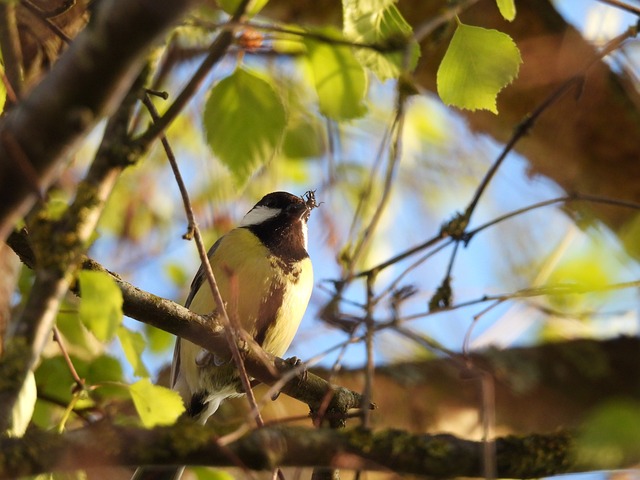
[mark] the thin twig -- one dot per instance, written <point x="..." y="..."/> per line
<point x="42" y="16"/>
<point x="22" y="162"/>
<point x="216" y="51"/>
<point x="72" y="369"/>
<point x="367" y="393"/>
<point x="308" y="34"/>
<point x="427" y="28"/>
<point x="194" y="231"/>
<point x="623" y="6"/>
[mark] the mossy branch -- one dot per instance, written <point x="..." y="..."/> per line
<point x="438" y="456"/>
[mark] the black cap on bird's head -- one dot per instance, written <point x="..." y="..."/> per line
<point x="279" y="220"/>
<point x="281" y="203"/>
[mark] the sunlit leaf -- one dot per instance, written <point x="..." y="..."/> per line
<point x="133" y="344"/>
<point x="303" y="139"/>
<point x="585" y="272"/>
<point x="101" y="304"/>
<point x="507" y="9"/>
<point x="176" y="273"/>
<point x="289" y="43"/>
<point x="339" y="80"/>
<point x="23" y="408"/>
<point x="158" y="340"/>
<point x="54" y="379"/>
<point x="3" y="92"/>
<point x="155" y="405"/>
<point x="244" y="120"/>
<point x="103" y="371"/>
<point x="380" y="23"/>
<point x="478" y="64"/>
<point x="204" y="473"/>
<point x="231" y="6"/>
<point x="74" y="332"/>
<point x="77" y="475"/>
<point x="610" y="435"/>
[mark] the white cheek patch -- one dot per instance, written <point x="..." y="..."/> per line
<point x="259" y="214"/>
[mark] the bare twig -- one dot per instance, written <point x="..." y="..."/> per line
<point x="622" y="6"/>
<point x="194" y="231"/>
<point x="46" y="20"/>
<point x="65" y="354"/>
<point x="216" y="51"/>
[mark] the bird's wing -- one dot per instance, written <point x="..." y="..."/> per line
<point x="200" y="276"/>
<point x="196" y="283"/>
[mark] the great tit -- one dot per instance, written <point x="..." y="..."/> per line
<point x="266" y="259"/>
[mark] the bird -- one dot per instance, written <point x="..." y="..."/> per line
<point x="265" y="264"/>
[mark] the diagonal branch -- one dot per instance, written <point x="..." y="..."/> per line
<point x="88" y="80"/>
<point x="178" y="320"/>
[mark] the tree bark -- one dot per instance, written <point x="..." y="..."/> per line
<point x="537" y="389"/>
<point x="86" y="83"/>
<point x="438" y="456"/>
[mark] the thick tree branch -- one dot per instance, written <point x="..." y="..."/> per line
<point x="180" y="321"/>
<point x="85" y="84"/>
<point x="439" y="456"/>
<point x="58" y="248"/>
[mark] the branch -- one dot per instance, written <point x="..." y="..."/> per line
<point x="439" y="456"/>
<point x="58" y="247"/>
<point x="178" y="320"/>
<point x="84" y="85"/>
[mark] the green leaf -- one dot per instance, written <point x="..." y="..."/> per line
<point x="303" y="138"/>
<point x="3" y="92"/>
<point x="133" y="344"/>
<point x="24" y="406"/>
<point x="231" y="6"/>
<point x="54" y="379"/>
<point x="339" y="80"/>
<point x="244" y="120"/>
<point x="105" y="368"/>
<point x="100" y="305"/>
<point x="478" y="64"/>
<point x="158" y="340"/>
<point x="206" y="473"/>
<point x="507" y="9"/>
<point x="155" y="405"/>
<point x="176" y="273"/>
<point x="74" y="332"/>
<point x="381" y="23"/>
<point x="104" y="371"/>
<point x="587" y="271"/>
<point x="610" y="435"/>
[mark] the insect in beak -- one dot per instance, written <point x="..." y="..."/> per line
<point x="310" y="200"/>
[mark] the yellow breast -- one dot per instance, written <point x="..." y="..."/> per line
<point x="266" y="300"/>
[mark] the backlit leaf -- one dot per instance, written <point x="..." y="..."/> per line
<point x="381" y="23"/>
<point x="23" y="408"/>
<point x="133" y="344"/>
<point x="231" y="6"/>
<point x="478" y="64"/>
<point x="158" y="340"/>
<point x="244" y="120"/>
<point x="101" y="304"/>
<point x="156" y="405"/>
<point x="507" y="9"/>
<point x="339" y="80"/>
<point x="610" y="435"/>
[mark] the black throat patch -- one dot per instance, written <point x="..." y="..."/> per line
<point x="284" y="239"/>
